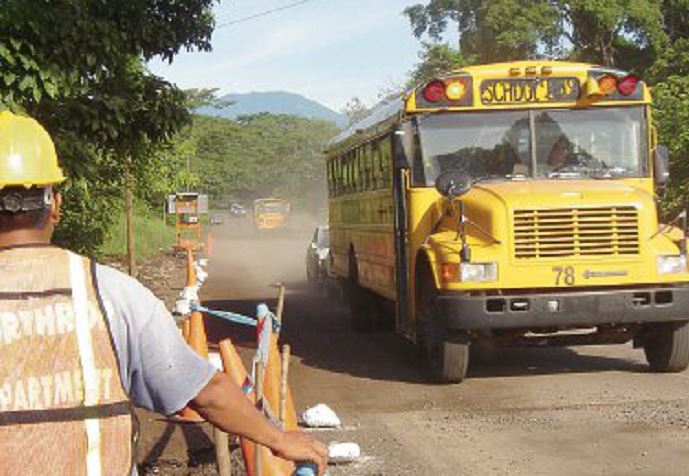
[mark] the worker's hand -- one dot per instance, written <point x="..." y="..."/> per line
<point x="298" y="446"/>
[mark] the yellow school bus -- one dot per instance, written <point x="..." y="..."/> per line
<point x="271" y="213"/>
<point x="511" y="204"/>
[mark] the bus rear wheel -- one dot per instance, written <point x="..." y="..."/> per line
<point x="666" y="346"/>
<point x="362" y="304"/>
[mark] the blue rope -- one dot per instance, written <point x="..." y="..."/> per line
<point x="229" y="316"/>
<point x="236" y="318"/>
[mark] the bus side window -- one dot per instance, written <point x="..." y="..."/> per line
<point x="347" y="173"/>
<point x="366" y="151"/>
<point x="329" y="176"/>
<point x="372" y="155"/>
<point x="376" y="174"/>
<point x="360" y="170"/>
<point x="386" y="161"/>
<point x="351" y="163"/>
<point x="355" y="170"/>
<point x="338" y="175"/>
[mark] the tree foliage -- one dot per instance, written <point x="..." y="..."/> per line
<point x="355" y="110"/>
<point x="601" y="31"/>
<point x="78" y="67"/>
<point x="434" y="60"/>
<point x="260" y="155"/>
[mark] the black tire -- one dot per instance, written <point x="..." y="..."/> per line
<point x="444" y="354"/>
<point x="666" y="346"/>
<point x="362" y="308"/>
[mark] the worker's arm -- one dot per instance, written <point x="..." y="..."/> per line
<point x="223" y="404"/>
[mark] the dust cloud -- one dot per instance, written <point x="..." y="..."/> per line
<point x="245" y="263"/>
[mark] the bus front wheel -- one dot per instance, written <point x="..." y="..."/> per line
<point x="445" y="353"/>
<point x="666" y="346"/>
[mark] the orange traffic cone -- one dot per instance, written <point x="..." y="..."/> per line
<point x="271" y="385"/>
<point x="209" y="244"/>
<point x="194" y="332"/>
<point x="186" y="326"/>
<point x="271" y="465"/>
<point x="191" y="270"/>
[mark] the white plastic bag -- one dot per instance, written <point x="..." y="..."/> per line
<point x="182" y="307"/>
<point x="320" y="416"/>
<point x="339" y="453"/>
<point x="190" y="293"/>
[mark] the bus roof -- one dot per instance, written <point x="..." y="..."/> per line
<point x="383" y="116"/>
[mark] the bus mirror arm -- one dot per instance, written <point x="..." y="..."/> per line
<point x="681" y="217"/>
<point x="465" y="251"/>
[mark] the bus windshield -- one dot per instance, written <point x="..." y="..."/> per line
<point x="588" y="143"/>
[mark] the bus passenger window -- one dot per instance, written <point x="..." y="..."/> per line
<point x="368" y="182"/>
<point x="377" y="170"/>
<point x="386" y="161"/>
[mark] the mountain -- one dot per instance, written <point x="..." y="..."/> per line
<point x="277" y="102"/>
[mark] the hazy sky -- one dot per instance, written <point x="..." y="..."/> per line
<point x="327" y="50"/>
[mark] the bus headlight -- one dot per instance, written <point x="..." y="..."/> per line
<point x="672" y="264"/>
<point x="478" y="272"/>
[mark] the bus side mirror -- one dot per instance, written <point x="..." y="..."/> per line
<point x="453" y="184"/>
<point x="400" y="158"/>
<point x="661" y="165"/>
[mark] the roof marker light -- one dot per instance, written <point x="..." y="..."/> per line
<point x="607" y="84"/>
<point x="628" y="84"/>
<point x="456" y="89"/>
<point x="434" y="91"/>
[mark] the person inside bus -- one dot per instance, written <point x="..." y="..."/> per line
<point x="561" y="149"/>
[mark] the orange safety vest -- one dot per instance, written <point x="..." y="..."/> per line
<point x="62" y="406"/>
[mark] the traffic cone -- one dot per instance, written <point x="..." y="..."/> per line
<point x="271" y="465"/>
<point x="209" y="244"/>
<point x="197" y="334"/>
<point x="185" y="330"/>
<point x="194" y="331"/>
<point x="191" y="270"/>
<point x="271" y="385"/>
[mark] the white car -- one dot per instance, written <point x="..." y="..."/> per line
<point x="318" y="255"/>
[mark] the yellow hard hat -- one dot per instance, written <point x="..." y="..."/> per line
<point x="27" y="153"/>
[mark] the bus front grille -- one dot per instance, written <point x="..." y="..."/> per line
<point x="572" y="232"/>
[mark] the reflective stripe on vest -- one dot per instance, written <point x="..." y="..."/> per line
<point x="62" y="406"/>
<point x="88" y="365"/>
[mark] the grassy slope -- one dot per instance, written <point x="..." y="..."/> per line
<point x="151" y="236"/>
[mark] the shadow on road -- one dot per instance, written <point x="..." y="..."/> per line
<point x="521" y="361"/>
<point x="318" y="330"/>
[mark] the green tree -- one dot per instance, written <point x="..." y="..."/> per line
<point x="611" y="32"/>
<point x="261" y="155"/>
<point x="436" y="59"/>
<point x="77" y="66"/>
<point x="355" y="110"/>
<point x="495" y="30"/>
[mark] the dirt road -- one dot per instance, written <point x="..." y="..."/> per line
<point x="579" y="411"/>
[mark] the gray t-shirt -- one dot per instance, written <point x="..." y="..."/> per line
<point x="159" y="370"/>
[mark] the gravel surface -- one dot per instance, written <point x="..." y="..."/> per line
<point x="567" y="411"/>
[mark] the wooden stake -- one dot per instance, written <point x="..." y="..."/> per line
<point x="129" y="206"/>
<point x="222" y="452"/>
<point x="284" y="375"/>
<point x="260" y="371"/>
<point x="281" y="302"/>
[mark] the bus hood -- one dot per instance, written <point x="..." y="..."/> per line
<point x="491" y="205"/>
<point x="559" y="193"/>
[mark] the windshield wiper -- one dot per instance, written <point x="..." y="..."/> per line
<point x="488" y="178"/>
